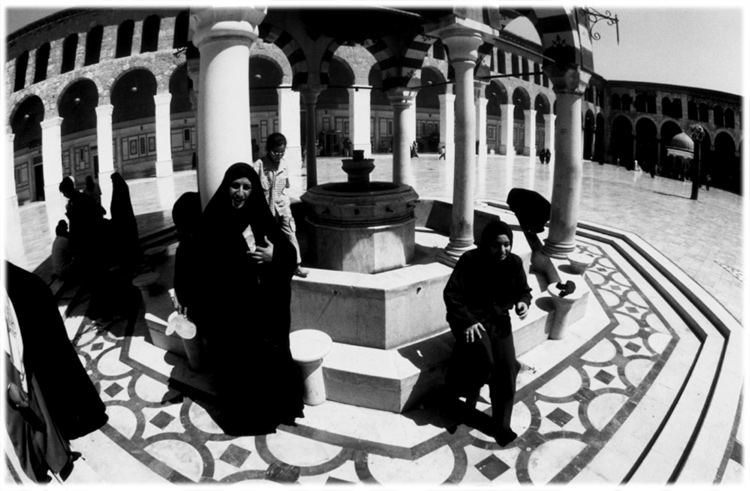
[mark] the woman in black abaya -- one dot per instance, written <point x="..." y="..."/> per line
<point x="242" y="308"/>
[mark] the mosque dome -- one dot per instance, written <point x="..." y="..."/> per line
<point x="681" y="145"/>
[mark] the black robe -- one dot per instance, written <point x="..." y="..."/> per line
<point x="72" y="399"/>
<point x="242" y="311"/>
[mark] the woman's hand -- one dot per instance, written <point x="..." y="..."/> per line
<point x="263" y="254"/>
<point x="474" y="332"/>
<point x="522" y="309"/>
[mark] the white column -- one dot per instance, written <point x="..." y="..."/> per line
<point x="52" y="168"/>
<point x="163" y="135"/>
<point x="359" y="119"/>
<point x="549" y="135"/>
<point x="566" y="191"/>
<point x="481" y="110"/>
<point x="14" y="250"/>
<point x="104" y="145"/>
<point x="310" y="95"/>
<point x="223" y="37"/>
<point x="411" y="123"/>
<point x="529" y="124"/>
<point x="462" y="45"/>
<point x="402" y="99"/>
<point x="289" y="126"/>
<point x="447" y="123"/>
<point x="506" y="133"/>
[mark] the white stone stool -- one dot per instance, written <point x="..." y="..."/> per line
<point x="309" y="347"/>
<point x="579" y="262"/>
<point x="562" y="309"/>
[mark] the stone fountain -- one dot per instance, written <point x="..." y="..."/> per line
<point x="358" y="225"/>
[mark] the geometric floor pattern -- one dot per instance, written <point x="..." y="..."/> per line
<point x="564" y="416"/>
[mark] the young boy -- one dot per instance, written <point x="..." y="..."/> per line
<point x="274" y="177"/>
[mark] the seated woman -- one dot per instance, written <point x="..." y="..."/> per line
<point x="242" y="307"/>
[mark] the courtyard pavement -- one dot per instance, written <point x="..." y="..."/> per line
<point x="622" y="400"/>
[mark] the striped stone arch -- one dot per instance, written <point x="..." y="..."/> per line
<point x="399" y="69"/>
<point x="565" y="36"/>
<point x="291" y="49"/>
<point x="325" y="62"/>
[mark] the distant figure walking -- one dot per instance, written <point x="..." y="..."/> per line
<point x="414" y="153"/>
<point x="441" y="154"/>
<point x="547" y="156"/>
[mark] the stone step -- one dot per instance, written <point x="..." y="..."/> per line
<point x="396" y="379"/>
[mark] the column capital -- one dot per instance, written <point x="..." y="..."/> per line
<point x="162" y="98"/>
<point x="401" y="96"/>
<point x="210" y="24"/>
<point x="571" y="80"/>
<point x="463" y="44"/>
<point x="103" y="110"/>
<point x="51" y="122"/>
<point x="446" y="97"/>
<point x="479" y="86"/>
<point x="310" y="92"/>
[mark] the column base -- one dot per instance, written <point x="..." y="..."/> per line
<point x="164" y="168"/>
<point x="450" y="255"/>
<point x="558" y="251"/>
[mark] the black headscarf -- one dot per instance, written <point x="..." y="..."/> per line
<point x="220" y="212"/>
<point x="492" y="231"/>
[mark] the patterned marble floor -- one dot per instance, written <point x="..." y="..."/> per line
<point x="588" y="407"/>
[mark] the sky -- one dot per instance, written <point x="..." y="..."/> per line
<point x="680" y="43"/>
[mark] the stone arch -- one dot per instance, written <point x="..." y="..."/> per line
<point x="274" y="54"/>
<point x="621" y="140"/>
<point x="718" y="118"/>
<point x="599" y="146"/>
<point x="521" y="103"/>
<point x="179" y="87"/>
<point x="41" y="62"/>
<point x="615" y="102"/>
<point x="22" y="63"/>
<point x="25" y="122"/>
<point x="358" y="59"/>
<point x="70" y="44"/>
<point x="93" y="45"/>
<point x="150" y="36"/>
<point x="77" y="106"/>
<point x="646" y="143"/>
<point x="124" y="41"/>
<point x="181" y="28"/>
<point x="291" y="48"/>
<point x="265" y="77"/>
<point x="63" y="89"/>
<point x="132" y="95"/>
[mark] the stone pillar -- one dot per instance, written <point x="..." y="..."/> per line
<point x="481" y="110"/>
<point x="223" y="37"/>
<point x="52" y="168"/>
<point x="463" y="45"/>
<point x="289" y="126"/>
<point x="566" y="191"/>
<point x="411" y="122"/>
<point x="193" y="70"/>
<point x="549" y="135"/>
<point x="30" y="69"/>
<point x="14" y="250"/>
<point x="529" y="124"/>
<point x="163" y="134"/>
<point x="402" y="99"/>
<point x="104" y="145"/>
<point x="447" y="123"/>
<point x="310" y="95"/>
<point x="506" y="134"/>
<point x="359" y="119"/>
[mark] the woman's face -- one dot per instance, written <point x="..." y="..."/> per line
<point x="239" y="191"/>
<point x="500" y="247"/>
